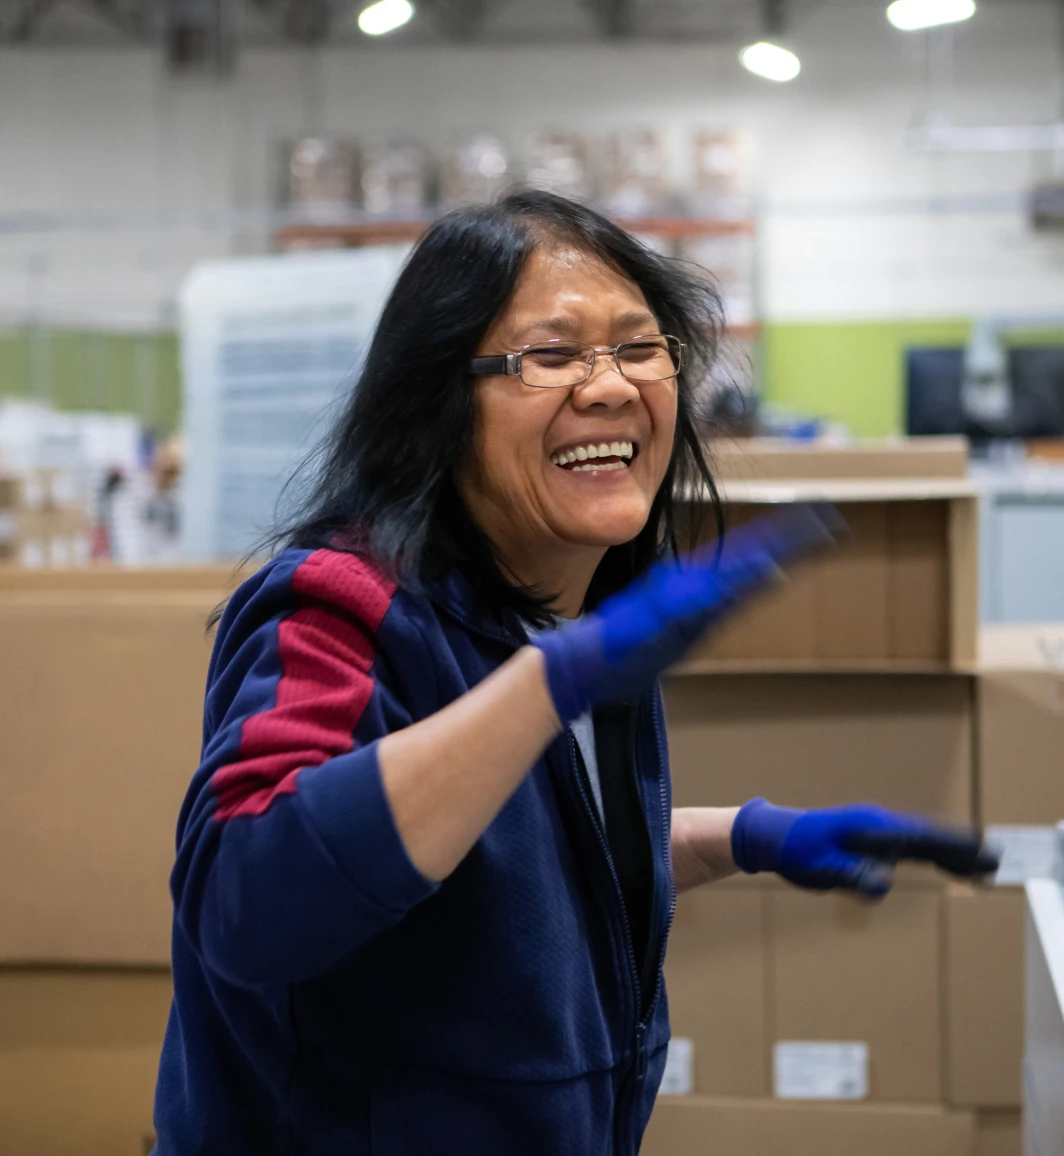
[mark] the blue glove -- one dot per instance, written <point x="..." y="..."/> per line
<point x="854" y="847"/>
<point x="619" y="650"/>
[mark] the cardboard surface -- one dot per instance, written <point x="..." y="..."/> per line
<point x="79" y="1054"/>
<point x="984" y="996"/>
<point x="716" y="972"/>
<point x="105" y="576"/>
<point x="847" y="971"/>
<point x="1021" y="725"/>
<point x="761" y="458"/>
<point x="998" y="1134"/>
<point x="899" y="593"/>
<point x="818" y="741"/>
<point x="101" y="702"/>
<point x="703" y="1126"/>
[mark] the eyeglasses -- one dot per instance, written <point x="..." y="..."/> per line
<point x="560" y="364"/>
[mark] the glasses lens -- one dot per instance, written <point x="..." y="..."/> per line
<point x="559" y="364"/>
<point x="649" y="358"/>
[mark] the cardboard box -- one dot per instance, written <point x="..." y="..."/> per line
<point x="904" y="742"/>
<point x="1021" y="725"/>
<point x="998" y="1134"/>
<point x="79" y="1056"/>
<point x="843" y="970"/>
<point x="899" y="593"/>
<point x="217" y="581"/>
<point x="704" y="1126"/>
<point x="763" y="459"/>
<point x="101" y="700"/>
<point x="716" y="972"/>
<point x="984" y="996"/>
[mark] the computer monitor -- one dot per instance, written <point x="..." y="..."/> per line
<point x="934" y="398"/>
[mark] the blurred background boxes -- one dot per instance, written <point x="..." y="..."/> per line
<point x="1021" y="724"/>
<point x="707" y="1126"/>
<point x="474" y="169"/>
<point x="560" y="162"/>
<point x="101" y="697"/>
<point x="717" y="973"/>
<point x="396" y="178"/>
<point x="998" y="1133"/>
<point x="900" y="593"/>
<point x="984" y="996"/>
<point x="760" y="967"/>
<point x="79" y="1053"/>
<point x="634" y="174"/>
<point x="902" y="741"/>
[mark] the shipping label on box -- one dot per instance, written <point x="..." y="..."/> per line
<point x="1027" y="852"/>
<point x="679" y="1076"/>
<point x="804" y="1070"/>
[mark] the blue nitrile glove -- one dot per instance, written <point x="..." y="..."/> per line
<point x="618" y="650"/>
<point x="853" y="847"/>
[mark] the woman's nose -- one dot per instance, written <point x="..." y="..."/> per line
<point x="606" y="386"/>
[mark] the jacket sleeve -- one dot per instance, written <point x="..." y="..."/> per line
<point x="288" y="858"/>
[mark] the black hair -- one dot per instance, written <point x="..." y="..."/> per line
<point x="382" y="482"/>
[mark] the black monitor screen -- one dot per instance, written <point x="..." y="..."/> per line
<point x="934" y="399"/>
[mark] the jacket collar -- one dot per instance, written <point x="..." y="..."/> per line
<point x="453" y="594"/>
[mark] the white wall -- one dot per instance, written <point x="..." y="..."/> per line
<point x="91" y="131"/>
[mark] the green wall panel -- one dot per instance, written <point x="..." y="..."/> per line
<point x="849" y="372"/>
<point x="128" y="372"/>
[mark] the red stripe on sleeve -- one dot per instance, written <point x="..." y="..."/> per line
<point x="324" y="687"/>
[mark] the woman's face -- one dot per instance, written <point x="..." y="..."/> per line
<point x="514" y="485"/>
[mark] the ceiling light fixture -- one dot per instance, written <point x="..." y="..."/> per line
<point x="385" y="16"/>
<point x="768" y="58"/>
<point x="912" y="15"/>
<point x="770" y="61"/>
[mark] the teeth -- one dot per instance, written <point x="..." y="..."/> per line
<point x="592" y="451"/>
<point x="598" y="469"/>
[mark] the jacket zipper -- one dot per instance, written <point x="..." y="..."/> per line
<point x="644" y="1002"/>
<point x="666" y="829"/>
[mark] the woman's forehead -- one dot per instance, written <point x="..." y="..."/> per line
<point x="563" y="285"/>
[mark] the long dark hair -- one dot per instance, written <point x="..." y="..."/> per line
<point x="382" y="482"/>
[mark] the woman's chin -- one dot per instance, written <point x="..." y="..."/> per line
<point x="606" y="528"/>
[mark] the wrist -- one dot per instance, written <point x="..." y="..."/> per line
<point x="758" y="834"/>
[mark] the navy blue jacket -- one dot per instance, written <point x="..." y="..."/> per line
<point x="328" y="999"/>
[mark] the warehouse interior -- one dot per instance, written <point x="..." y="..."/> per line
<point x="203" y="206"/>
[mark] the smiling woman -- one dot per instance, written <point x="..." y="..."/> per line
<point x="427" y="866"/>
<point x="439" y="461"/>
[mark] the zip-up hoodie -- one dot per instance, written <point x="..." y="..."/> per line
<point x="328" y="999"/>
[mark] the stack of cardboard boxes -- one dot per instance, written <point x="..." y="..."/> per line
<point x="101" y="692"/>
<point x="854" y="680"/>
<point x="41" y="523"/>
<point x="821" y="1024"/>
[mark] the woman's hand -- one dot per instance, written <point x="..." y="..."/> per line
<point x="617" y="651"/>
<point x="854" y="848"/>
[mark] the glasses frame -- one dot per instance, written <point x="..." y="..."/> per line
<point x="509" y="364"/>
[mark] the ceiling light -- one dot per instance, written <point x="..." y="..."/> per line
<point x="910" y="15"/>
<point x="385" y="16"/>
<point x="770" y="61"/>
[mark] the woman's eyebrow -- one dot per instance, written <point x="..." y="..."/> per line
<point x="570" y="327"/>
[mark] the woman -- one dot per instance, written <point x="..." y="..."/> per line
<point x="426" y="870"/>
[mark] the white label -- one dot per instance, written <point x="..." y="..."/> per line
<point x="1026" y="853"/>
<point x="820" y="1071"/>
<point x="679" y="1077"/>
<point x="32" y="555"/>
